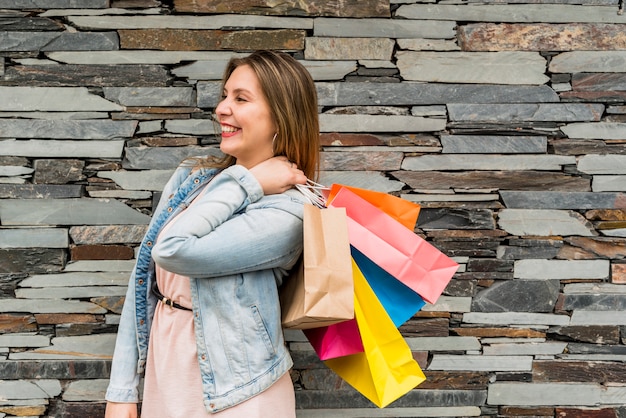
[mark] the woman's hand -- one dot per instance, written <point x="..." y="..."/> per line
<point x="121" y="410"/>
<point x="277" y="175"/>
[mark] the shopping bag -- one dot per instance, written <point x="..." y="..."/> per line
<point x="394" y="248"/>
<point x="401" y="210"/>
<point x="385" y="370"/>
<point x="336" y="340"/>
<point x="399" y="300"/>
<point x="320" y="291"/>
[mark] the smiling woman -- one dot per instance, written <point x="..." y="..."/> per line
<point x="220" y="242"/>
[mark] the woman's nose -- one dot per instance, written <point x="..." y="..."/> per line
<point x="222" y="108"/>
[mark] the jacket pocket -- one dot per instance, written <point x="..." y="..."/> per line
<point x="262" y="329"/>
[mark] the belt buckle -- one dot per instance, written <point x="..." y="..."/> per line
<point x="168" y="302"/>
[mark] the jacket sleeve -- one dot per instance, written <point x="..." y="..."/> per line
<point x="229" y="230"/>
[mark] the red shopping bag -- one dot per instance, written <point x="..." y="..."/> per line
<point x="395" y="248"/>
<point x="336" y="340"/>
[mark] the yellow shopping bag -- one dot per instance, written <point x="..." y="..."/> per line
<point x="385" y="370"/>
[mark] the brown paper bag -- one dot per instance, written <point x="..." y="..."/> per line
<point x="319" y="291"/>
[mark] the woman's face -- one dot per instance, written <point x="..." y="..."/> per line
<point x="245" y="118"/>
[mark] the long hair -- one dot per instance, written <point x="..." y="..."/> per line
<point x="292" y="98"/>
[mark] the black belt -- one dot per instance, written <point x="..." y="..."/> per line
<point x="168" y="302"/>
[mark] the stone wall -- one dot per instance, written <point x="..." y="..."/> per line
<point x="506" y="121"/>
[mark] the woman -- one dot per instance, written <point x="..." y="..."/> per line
<point x="224" y="234"/>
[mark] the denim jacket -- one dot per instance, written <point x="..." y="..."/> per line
<point x="235" y="244"/>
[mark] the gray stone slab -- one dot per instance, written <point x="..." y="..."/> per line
<point x="328" y="48"/>
<point x="100" y="265"/>
<point x="443" y="343"/>
<point x="57" y="99"/>
<point x="411" y="93"/>
<point x="49" y="306"/>
<point x="593" y="289"/>
<point x="152" y="180"/>
<point x="107" y="234"/>
<point x="9" y="171"/>
<point x="492" y="144"/>
<point x="602" y="164"/>
<point x="486" y="162"/>
<point x="58" y="41"/>
<point x="329" y="70"/>
<point x="600" y="130"/>
<point x="20" y="389"/>
<point x="506" y="67"/>
<point x="589" y="318"/>
<point x="528" y="349"/>
<point x="614" y="395"/>
<point x="201" y="70"/>
<point x="450" y="303"/>
<point x="481" y="363"/>
<point x="542" y="112"/>
<point x="82" y="279"/>
<point x="518" y="296"/>
<point x="549" y="13"/>
<point x="561" y="200"/>
<point x="621" y="232"/>
<point x="151" y="96"/>
<point x="75" y="292"/>
<point x="84" y="41"/>
<point x="589" y="62"/>
<point x="594" y="302"/>
<point x="34" y="238"/>
<point x="515" y="318"/>
<point x="379" y="123"/>
<point x="135" y="56"/>
<point x="562" y="269"/>
<point x="55" y="115"/>
<point x="191" y="22"/>
<point x="24" y="340"/>
<point x="84" y="211"/>
<point x="67" y="129"/>
<point x="99" y="346"/>
<point x="192" y="127"/>
<point x="163" y="158"/>
<point x="428" y="44"/>
<point x="120" y="194"/>
<point x="86" y="390"/>
<point x="609" y="184"/>
<point x="544" y="222"/>
<point x="63" y="148"/>
<point x="53" y="370"/>
<point x="539" y="394"/>
<point x="383" y="28"/>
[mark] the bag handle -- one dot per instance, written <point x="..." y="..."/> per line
<point x="313" y="191"/>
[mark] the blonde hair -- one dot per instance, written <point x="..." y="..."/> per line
<point x="292" y="98"/>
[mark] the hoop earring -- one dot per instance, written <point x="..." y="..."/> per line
<point x="274" y="138"/>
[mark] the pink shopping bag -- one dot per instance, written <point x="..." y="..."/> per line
<point x="395" y="248"/>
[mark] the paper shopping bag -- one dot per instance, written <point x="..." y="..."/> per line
<point x="319" y="291"/>
<point x="401" y="210"/>
<point x="386" y="369"/>
<point x="336" y="340"/>
<point x="399" y="300"/>
<point x="394" y="248"/>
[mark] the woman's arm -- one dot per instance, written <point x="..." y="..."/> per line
<point x="221" y="234"/>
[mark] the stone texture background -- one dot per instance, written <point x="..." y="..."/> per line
<point x="506" y="121"/>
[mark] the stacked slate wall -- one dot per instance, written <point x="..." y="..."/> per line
<point x="505" y="121"/>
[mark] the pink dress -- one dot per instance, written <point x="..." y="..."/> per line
<point x="172" y="384"/>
